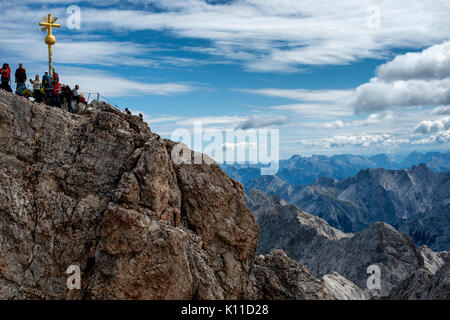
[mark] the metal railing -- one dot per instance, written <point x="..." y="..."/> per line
<point x="90" y="95"/>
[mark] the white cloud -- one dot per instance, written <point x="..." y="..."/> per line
<point x="364" y="140"/>
<point x="163" y="119"/>
<point x="319" y="111"/>
<point x="241" y="144"/>
<point x="426" y="127"/>
<point x="441" y="111"/>
<point x="413" y="79"/>
<point x="269" y="35"/>
<point x="431" y="63"/>
<point x="211" y="120"/>
<point x="323" y="104"/>
<point x="255" y="122"/>
<point x="441" y="137"/>
<point x="274" y="35"/>
<point x="332" y="125"/>
<point x="374" y="118"/>
<point x="329" y="96"/>
<point x="379" y="95"/>
<point x="111" y="85"/>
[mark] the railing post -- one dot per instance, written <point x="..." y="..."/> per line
<point x="98" y="96"/>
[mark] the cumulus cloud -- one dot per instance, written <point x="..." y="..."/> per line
<point x="378" y="95"/>
<point x="256" y="122"/>
<point x="413" y="79"/>
<point x="426" y="127"/>
<point x="440" y="137"/>
<point x="431" y="63"/>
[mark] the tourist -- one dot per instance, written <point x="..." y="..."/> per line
<point x="56" y="94"/>
<point x="55" y="76"/>
<point x="67" y="96"/>
<point x="5" y="72"/>
<point x="24" y="92"/>
<point x="21" y="76"/>
<point x="75" y="94"/>
<point x="46" y="83"/>
<point x="37" y="84"/>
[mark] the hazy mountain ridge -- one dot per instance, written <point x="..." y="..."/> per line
<point x="415" y="201"/>
<point x="305" y="170"/>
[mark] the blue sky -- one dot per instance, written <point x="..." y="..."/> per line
<point x="354" y="77"/>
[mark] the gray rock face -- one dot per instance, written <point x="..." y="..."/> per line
<point x="99" y="190"/>
<point x="325" y="250"/>
<point x="424" y="285"/>
<point x="343" y="289"/>
<point x="277" y="277"/>
<point x="414" y="201"/>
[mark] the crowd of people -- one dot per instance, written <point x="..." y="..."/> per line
<point x="49" y="91"/>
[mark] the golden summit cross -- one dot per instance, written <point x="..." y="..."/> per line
<point x="50" y="40"/>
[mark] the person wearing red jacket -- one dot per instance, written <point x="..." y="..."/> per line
<point x="5" y="73"/>
<point x="57" y="94"/>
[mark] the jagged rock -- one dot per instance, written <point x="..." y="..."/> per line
<point x="343" y="289"/>
<point x="424" y="285"/>
<point x="277" y="277"/>
<point x="99" y="190"/>
<point x="325" y="250"/>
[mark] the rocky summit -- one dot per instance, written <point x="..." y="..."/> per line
<point x="98" y="192"/>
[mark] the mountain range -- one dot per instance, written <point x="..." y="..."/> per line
<point x="300" y="170"/>
<point x="415" y="201"/>
<point x="325" y="250"/>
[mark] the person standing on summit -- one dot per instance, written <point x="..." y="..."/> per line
<point x="48" y="90"/>
<point x="5" y="72"/>
<point x="21" y="76"/>
<point x="37" y="84"/>
<point x="57" y="94"/>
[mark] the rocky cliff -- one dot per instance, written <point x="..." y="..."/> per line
<point x="100" y="191"/>
<point x="425" y="285"/>
<point x="325" y="250"/>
